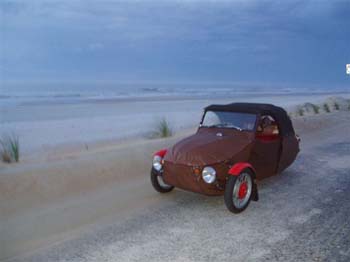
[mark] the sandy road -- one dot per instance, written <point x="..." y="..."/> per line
<point x="302" y="215"/>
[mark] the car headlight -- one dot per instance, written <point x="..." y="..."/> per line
<point x="157" y="163"/>
<point x="209" y="174"/>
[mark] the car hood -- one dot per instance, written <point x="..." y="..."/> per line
<point x="209" y="146"/>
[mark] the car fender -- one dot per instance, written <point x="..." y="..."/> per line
<point x="160" y="153"/>
<point x="237" y="168"/>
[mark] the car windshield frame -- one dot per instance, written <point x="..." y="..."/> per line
<point x="230" y="127"/>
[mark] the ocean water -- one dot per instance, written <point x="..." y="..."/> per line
<point x="14" y="94"/>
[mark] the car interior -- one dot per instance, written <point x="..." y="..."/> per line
<point x="267" y="129"/>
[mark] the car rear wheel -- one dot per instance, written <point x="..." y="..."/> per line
<point x="159" y="184"/>
<point x="239" y="191"/>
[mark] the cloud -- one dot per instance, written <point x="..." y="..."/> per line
<point x="174" y="38"/>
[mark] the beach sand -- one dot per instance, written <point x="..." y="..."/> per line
<point x="76" y="179"/>
<point x="47" y="127"/>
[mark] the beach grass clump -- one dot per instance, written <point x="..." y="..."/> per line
<point x="316" y="108"/>
<point x="9" y="150"/>
<point x="163" y="129"/>
<point x="326" y="108"/>
<point x="336" y="106"/>
<point x="300" y="111"/>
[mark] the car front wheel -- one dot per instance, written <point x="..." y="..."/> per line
<point x="238" y="191"/>
<point x="158" y="183"/>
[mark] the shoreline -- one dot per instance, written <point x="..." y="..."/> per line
<point x="177" y="97"/>
<point x="77" y="99"/>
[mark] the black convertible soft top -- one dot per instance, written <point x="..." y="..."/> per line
<point x="278" y="113"/>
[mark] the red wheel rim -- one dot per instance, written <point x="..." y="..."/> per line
<point x="242" y="191"/>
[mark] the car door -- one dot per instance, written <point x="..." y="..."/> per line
<point x="265" y="153"/>
<point x="289" y="151"/>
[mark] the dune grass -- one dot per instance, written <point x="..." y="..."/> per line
<point x="162" y="129"/>
<point x="9" y="150"/>
<point x="300" y="111"/>
<point x="336" y="106"/>
<point x="316" y="108"/>
<point x="326" y="108"/>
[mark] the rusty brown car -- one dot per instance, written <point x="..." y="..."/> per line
<point x="234" y="146"/>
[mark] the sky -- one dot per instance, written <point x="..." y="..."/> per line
<point x="241" y="41"/>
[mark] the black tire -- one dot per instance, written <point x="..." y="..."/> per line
<point x="229" y="192"/>
<point x="157" y="186"/>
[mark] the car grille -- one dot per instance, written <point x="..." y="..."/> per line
<point x="182" y="176"/>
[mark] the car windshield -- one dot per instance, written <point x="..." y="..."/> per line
<point x="240" y="121"/>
